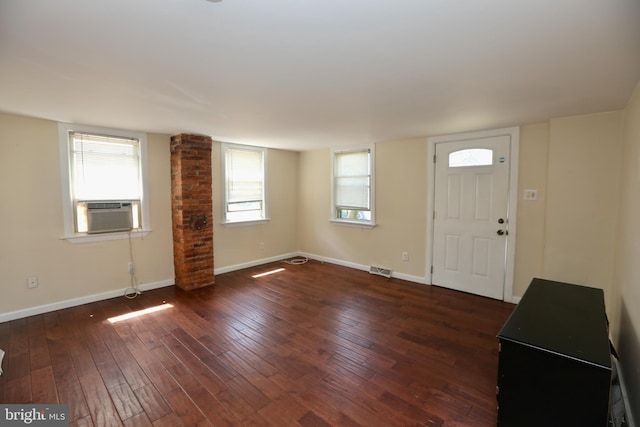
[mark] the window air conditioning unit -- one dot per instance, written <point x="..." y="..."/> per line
<point x="105" y="217"/>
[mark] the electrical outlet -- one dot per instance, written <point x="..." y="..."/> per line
<point x="32" y="282"/>
<point x="262" y="246"/>
<point x="131" y="268"/>
<point x="405" y="256"/>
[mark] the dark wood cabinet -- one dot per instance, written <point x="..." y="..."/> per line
<point x="555" y="360"/>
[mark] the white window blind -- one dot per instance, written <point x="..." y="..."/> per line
<point x="352" y="179"/>
<point x="244" y="184"/>
<point x="105" y="167"/>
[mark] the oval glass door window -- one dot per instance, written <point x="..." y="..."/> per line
<point x="471" y="157"/>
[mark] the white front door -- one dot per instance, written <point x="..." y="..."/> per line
<point x="471" y="207"/>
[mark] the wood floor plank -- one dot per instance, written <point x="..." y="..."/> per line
<point x="139" y="420"/>
<point x="38" y="351"/>
<point x="310" y="419"/>
<point x="43" y="386"/>
<point x="258" y="379"/>
<point x="160" y="378"/>
<point x="129" y="367"/>
<point x="111" y="375"/>
<point x="155" y="407"/>
<point x="206" y="402"/>
<point x="198" y="368"/>
<point x="278" y="415"/>
<point x="192" y="344"/>
<point x="312" y="345"/>
<point x="184" y="408"/>
<point x="61" y="362"/>
<point x="125" y="401"/>
<point x="169" y="420"/>
<point x="101" y="408"/>
<point x="254" y="397"/>
<point x="81" y="357"/>
<point x="17" y="353"/>
<point x="70" y="392"/>
<point x="18" y="390"/>
<point x="85" y="421"/>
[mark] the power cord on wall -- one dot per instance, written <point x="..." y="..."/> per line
<point x="132" y="291"/>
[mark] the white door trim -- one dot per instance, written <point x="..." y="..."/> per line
<point x="514" y="134"/>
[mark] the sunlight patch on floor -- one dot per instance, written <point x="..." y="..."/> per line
<point x="277" y="270"/>
<point x="139" y="313"/>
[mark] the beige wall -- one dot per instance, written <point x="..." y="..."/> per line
<point x="31" y="218"/>
<point x="31" y="214"/>
<point x="532" y="175"/>
<point x="585" y="158"/>
<point x="567" y="234"/>
<point x="236" y="246"/>
<point x="625" y="301"/>
<point x="401" y="189"/>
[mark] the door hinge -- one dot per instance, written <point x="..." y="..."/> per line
<point x="434" y="158"/>
<point x="432" y="269"/>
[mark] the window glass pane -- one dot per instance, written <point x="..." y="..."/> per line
<point x="354" y="214"/>
<point x="245" y="206"/>
<point x="244" y="216"/>
<point x="471" y="157"/>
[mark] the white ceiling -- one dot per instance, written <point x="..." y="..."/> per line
<point x="304" y="74"/>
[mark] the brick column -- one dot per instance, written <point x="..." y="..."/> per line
<point x="192" y="210"/>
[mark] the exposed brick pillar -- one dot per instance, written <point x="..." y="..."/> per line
<point x="192" y="210"/>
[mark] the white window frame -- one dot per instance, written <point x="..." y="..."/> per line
<point x="64" y="130"/>
<point x="265" y="206"/>
<point x="372" y="192"/>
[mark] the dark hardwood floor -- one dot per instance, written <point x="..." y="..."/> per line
<point x="312" y="345"/>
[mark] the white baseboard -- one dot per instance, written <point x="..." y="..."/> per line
<point x="402" y="276"/>
<point x="254" y="263"/>
<point x="32" y="311"/>
<point x="19" y="314"/>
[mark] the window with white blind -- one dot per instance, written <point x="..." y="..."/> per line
<point x="353" y="185"/>
<point x="103" y="181"/>
<point x="244" y="183"/>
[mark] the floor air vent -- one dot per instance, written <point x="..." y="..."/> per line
<point x="380" y="271"/>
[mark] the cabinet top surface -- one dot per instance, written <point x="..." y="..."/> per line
<point x="566" y="319"/>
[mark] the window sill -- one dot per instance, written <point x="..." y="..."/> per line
<point x="103" y="237"/>
<point x="357" y="224"/>
<point x="245" y="223"/>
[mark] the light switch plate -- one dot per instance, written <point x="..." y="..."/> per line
<point x="530" y="195"/>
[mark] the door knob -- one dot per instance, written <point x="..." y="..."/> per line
<point x="501" y="221"/>
<point x="500" y="232"/>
